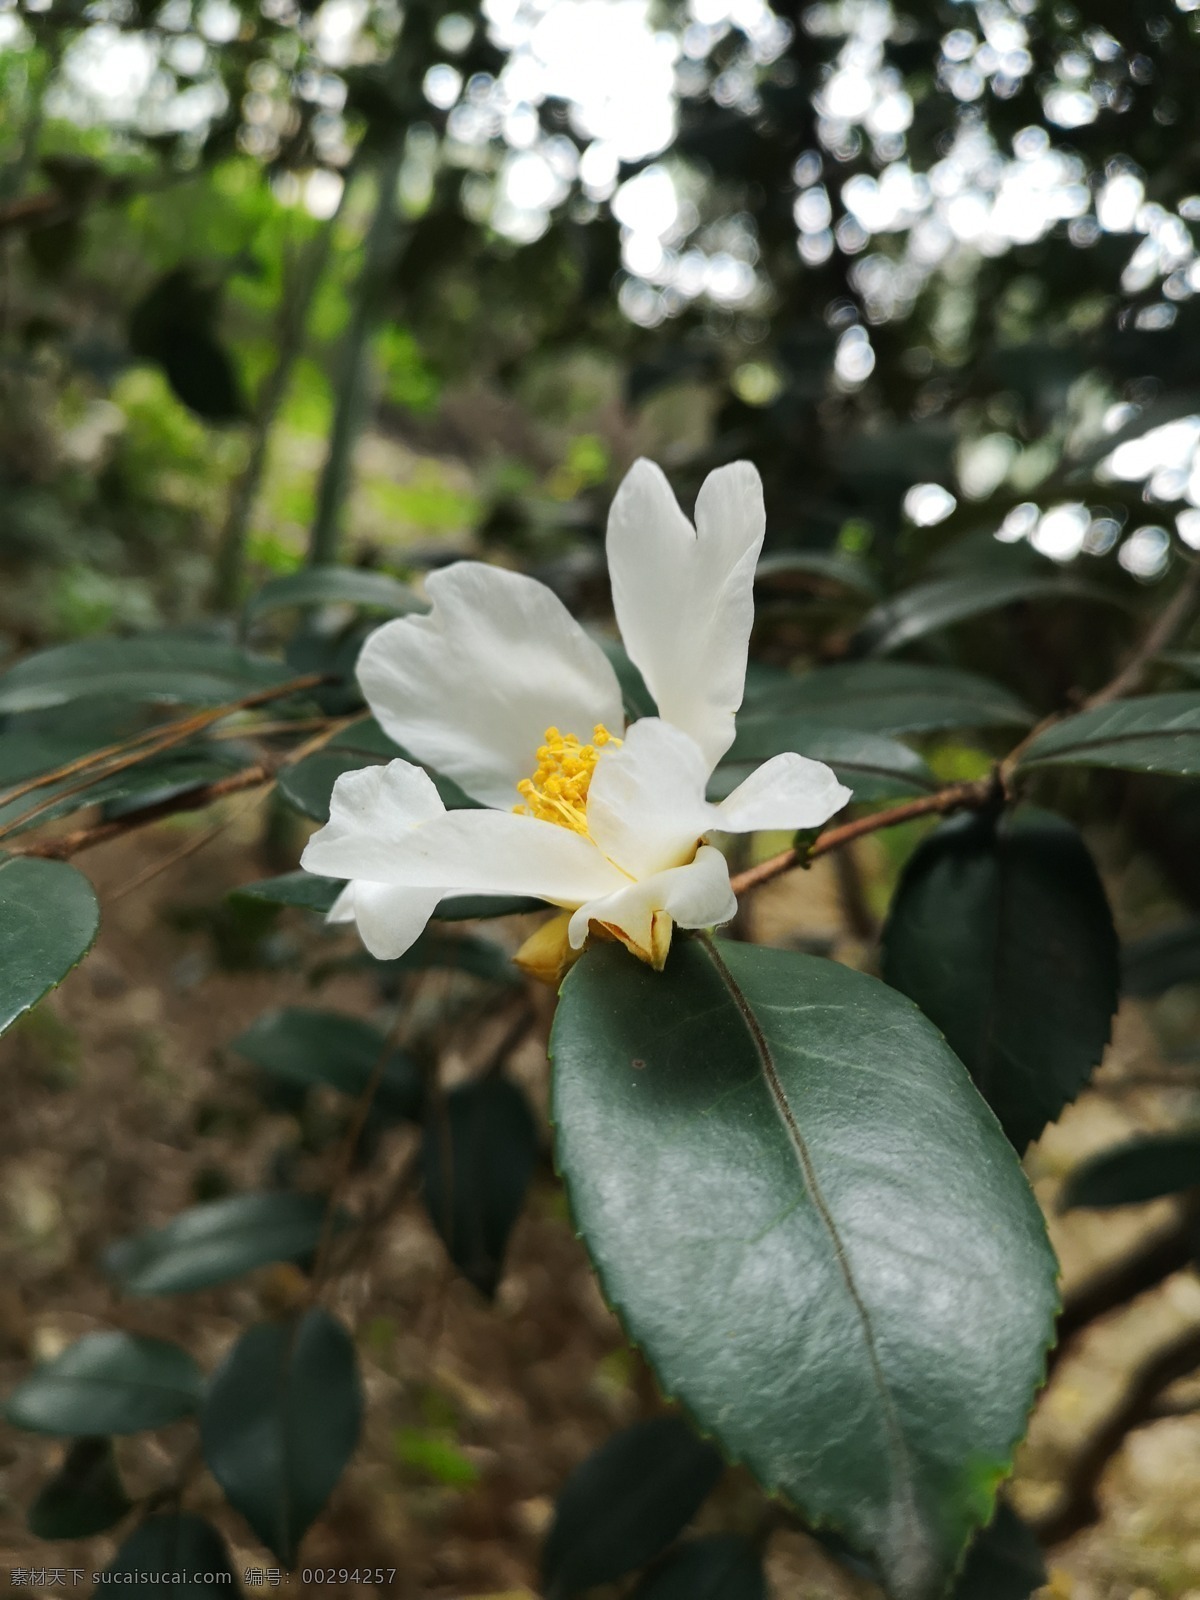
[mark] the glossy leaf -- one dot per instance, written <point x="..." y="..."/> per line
<point x="108" y="1383"/>
<point x="1154" y="733"/>
<point x="891" y="697"/>
<point x="941" y="602"/>
<point x="149" y="782"/>
<point x="721" y="1567"/>
<point x="1158" y="961"/>
<point x="320" y="586"/>
<point x="308" y="1047"/>
<point x="811" y="1224"/>
<point x="214" y="1242"/>
<point x="478" y="1155"/>
<point x="84" y="1497"/>
<point x="169" y="1555"/>
<point x="49" y="919"/>
<point x="874" y="767"/>
<point x="308" y="785"/>
<point x="1005" y="1561"/>
<point x="281" y="1420"/>
<point x="626" y="1503"/>
<point x="1001" y="932"/>
<point x="1142" y="1169"/>
<point x="152" y="667"/>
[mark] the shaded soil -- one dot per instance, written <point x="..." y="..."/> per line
<point x="122" y="1105"/>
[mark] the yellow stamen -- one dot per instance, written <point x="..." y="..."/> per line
<point x="558" y="790"/>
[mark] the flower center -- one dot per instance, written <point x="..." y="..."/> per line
<point x="558" y="789"/>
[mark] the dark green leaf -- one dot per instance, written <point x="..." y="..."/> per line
<point x="811" y="1224"/>
<point x="153" y="780"/>
<point x="721" y="1567"/>
<point x="319" y="586"/>
<point x="280" y="1422"/>
<point x="460" y="952"/>
<point x="874" y="767"/>
<point x="1004" y="1563"/>
<point x="308" y="785"/>
<point x="153" y="667"/>
<point x="1147" y="1168"/>
<point x="479" y="907"/>
<point x="108" y="1383"/>
<point x="1154" y="733"/>
<point x="293" y="889"/>
<point x="942" y="602"/>
<point x="626" y="1503"/>
<point x="85" y="1496"/>
<point x="307" y="1047"/>
<point x="48" y="921"/>
<point x="830" y="566"/>
<point x="214" y="1242"/>
<point x="1158" y="961"/>
<point x="890" y="697"/>
<point x="478" y="1155"/>
<point x="1000" y="931"/>
<point x="170" y="1555"/>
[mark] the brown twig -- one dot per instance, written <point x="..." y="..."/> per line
<point x="70" y="844"/>
<point x="67" y="845"/>
<point x="1158" y="636"/>
<point x="1080" y="1504"/>
<point x="160" y="738"/>
<point x="955" y="797"/>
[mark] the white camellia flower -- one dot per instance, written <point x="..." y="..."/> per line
<point x="501" y="689"/>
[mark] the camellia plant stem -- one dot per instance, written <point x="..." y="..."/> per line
<point x="955" y="797"/>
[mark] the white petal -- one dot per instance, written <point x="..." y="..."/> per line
<point x="695" y="896"/>
<point x="684" y="599"/>
<point x="390" y="919"/>
<point x="342" y="909"/>
<point x="646" y="807"/>
<point x="375" y="833"/>
<point x="471" y="688"/>
<point x="789" y="791"/>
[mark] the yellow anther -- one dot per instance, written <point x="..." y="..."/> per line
<point x="558" y="790"/>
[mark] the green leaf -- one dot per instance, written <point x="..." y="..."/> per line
<point x="308" y="785"/>
<point x="1000" y="931"/>
<point x="160" y="667"/>
<point x="722" y="1567"/>
<point x="478" y="1155"/>
<point x="1004" y="1563"/>
<point x="809" y="1221"/>
<point x="280" y="1422"/>
<point x="941" y="602"/>
<point x="1154" y="733"/>
<point x="830" y="566"/>
<point x="320" y="586"/>
<point x="214" y="1242"/>
<point x="293" y="889"/>
<point x="48" y="922"/>
<point x="626" y="1503"/>
<point x="307" y="1047"/>
<point x="166" y="1556"/>
<point x="874" y="767"/>
<point x="1158" y="961"/>
<point x="108" y="1383"/>
<point x="85" y="1496"/>
<point x="481" y="907"/>
<point x="1142" y="1169"/>
<point x="891" y="697"/>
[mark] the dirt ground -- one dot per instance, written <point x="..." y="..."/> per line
<point x="123" y="1105"/>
